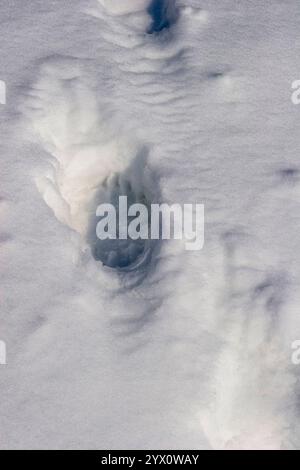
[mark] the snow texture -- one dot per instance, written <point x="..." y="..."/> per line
<point x="163" y="102"/>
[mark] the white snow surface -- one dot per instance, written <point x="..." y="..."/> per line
<point x="125" y="6"/>
<point x="194" y="351"/>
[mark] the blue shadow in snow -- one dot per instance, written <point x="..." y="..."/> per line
<point x="163" y="15"/>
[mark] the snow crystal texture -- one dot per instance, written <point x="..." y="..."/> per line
<point x="180" y="102"/>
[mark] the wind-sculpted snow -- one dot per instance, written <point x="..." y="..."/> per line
<point x="194" y="349"/>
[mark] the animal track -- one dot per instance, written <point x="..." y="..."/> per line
<point x="89" y="164"/>
<point x="137" y="184"/>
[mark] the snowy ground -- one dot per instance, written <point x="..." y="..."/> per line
<point x="194" y="350"/>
